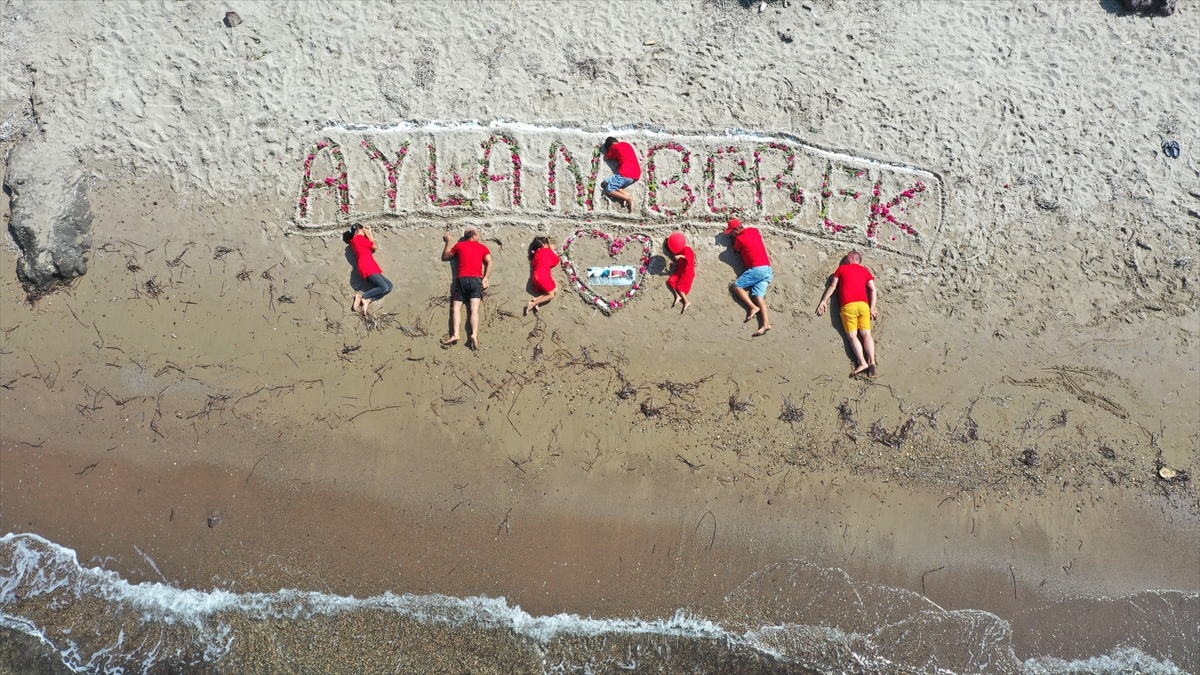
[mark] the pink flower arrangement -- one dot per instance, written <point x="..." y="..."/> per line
<point x="431" y="174"/>
<point x="616" y="244"/>
<point x="881" y="211"/>
<point x="392" y="169"/>
<point x="827" y="193"/>
<point x="710" y="180"/>
<point x="338" y="185"/>
<point x="591" y="182"/>
<point x="556" y="149"/>
<point x="654" y="184"/>
<point x="795" y="192"/>
<point x="486" y="177"/>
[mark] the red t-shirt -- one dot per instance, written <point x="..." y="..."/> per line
<point x="750" y="244"/>
<point x="626" y="158"/>
<point x="685" y="271"/>
<point x="366" y="259"/>
<point x="470" y="258"/>
<point x="544" y="260"/>
<point x="852" y="283"/>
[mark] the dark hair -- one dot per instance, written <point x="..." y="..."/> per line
<point x="608" y="143"/>
<point x="349" y="234"/>
<point x="536" y="244"/>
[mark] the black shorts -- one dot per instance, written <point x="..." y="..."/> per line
<point x="467" y="288"/>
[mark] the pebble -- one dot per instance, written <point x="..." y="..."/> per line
<point x="232" y="19"/>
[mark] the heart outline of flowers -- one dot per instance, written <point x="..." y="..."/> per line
<point x="616" y="244"/>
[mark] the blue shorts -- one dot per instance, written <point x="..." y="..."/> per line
<point x="618" y="182"/>
<point x="757" y="279"/>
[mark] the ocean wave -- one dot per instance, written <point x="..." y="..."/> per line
<point x="792" y="617"/>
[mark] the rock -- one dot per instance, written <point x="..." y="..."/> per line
<point x="232" y="20"/>
<point x="1159" y="7"/>
<point x="1030" y="458"/>
<point x="51" y="215"/>
<point x="214" y="521"/>
<point x="787" y="35"/>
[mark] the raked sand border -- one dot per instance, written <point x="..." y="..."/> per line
<point x="547" y="177"/>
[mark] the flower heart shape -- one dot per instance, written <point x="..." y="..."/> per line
<point x="616" y="244"/>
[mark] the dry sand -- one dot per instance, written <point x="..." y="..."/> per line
<point x="208" y="366"/>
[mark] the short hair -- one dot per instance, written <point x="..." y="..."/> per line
<point x="470" y="230"/>
<point x="537" y="244"/>
<point x="609" y="142"/>
<point x="854" y="257"/>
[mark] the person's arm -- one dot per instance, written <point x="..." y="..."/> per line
<point x="446" y="255"/>
<point x="487" y="268"/>
<point x="871" y="299"/>
<point x="371" y="238"/>
<point x="824" y="305"/>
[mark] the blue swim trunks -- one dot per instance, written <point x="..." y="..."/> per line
<point x="757" y="279"/>
<point x="618" y="182"/>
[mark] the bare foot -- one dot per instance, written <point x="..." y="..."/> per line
<point x="629" y="205"/>
<point x="676" y="301"/>
<point x="450" y="340"/>
<point x="761" y="331"/>
<point x="871" y="372"/>
<point x="528" y="306"/>
<point x="859" y="369"/>
<point x="473" y="343"/>
<point x="357" y="302"/>
<point x="753" y="313"/>
<point x="686" y="304"/>
<point x="365" y="305"/>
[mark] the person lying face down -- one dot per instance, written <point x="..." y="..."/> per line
<point x="858" y="299"/>
<point x="629" y="170"/>
<point x="474" y="263"/>
<point x="751" y="287"/>
<point x="363" y="243"/>
<point x="683" y="269"/>
<point x="542" y="260"/>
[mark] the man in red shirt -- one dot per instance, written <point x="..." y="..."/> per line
<point x="474" y="263"/>
<point x="857" y="297"/>
<point x="628" y="171"/>
<point x="751" y="286"/>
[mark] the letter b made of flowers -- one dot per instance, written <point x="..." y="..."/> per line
<point x="335" y="184"/>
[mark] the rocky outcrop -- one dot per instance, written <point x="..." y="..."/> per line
<point x="1159" y="7"/>
<point x="51" y="217"/>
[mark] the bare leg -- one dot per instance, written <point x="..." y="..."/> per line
<point x="763" y="318"/>
<point x="674" y="296"/>
<point x="473" y="321"/>
<point x="686" y="303"/>
<point x="357" y="302"/>
<point x="539" y="301"/>
<point x="744" y="297"/>
<point x="455" y="318"/>
<point x="868" y="343"/>
<point x="365" y="304"/>
<point x="622" y="196"/>
<point x="856" y="345"/>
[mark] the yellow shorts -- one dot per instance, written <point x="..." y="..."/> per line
<point x="856" y="316"/>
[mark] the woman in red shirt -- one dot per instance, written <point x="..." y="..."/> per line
<point x="684" y="271"/>
<point x="542" y="259"/>
<point x="362" y="242"/>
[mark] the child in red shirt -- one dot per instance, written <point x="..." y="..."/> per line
<point x="542" y="259"/>
<point x="683" y="272"/>
<point x="628" y="171"/>
<point x="362" y="242"/>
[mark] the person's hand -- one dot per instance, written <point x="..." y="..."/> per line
<point x="446" y="237"/>
<point x="485" y="283"/>
<point x="875" y="313"/>
<point x="822" y="307"/>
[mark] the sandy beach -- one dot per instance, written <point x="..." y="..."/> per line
<point x="201" y="409"/>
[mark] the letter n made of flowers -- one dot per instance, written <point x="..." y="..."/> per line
<point x="335" y="184"/>
<point x="392" y="169"/>
<point x="486" y="177"/>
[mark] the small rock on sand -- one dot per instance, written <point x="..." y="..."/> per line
<point x="787" y="35"/>
<point x="232" y="19"/>
<point x="214" y="521"/>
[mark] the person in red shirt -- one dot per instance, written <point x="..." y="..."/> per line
<point x="751" y="286"/>
<point x="684" y="271"/>
<point x="474" y="264"/>
<point x="628" y="171"/>
<point x="542" y="259"/>
<point x="857" y="295"/>
<point x="362" y="242"/>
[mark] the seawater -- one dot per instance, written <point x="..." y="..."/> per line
<point x="792" y="617"/>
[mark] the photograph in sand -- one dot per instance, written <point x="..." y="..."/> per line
<point x="535" y="336"/>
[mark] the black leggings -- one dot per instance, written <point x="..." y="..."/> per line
<point x="382" y="287"/>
